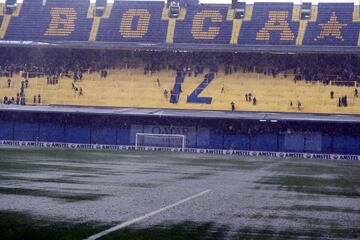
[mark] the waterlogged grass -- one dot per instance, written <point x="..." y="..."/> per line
<point x="315" y="208"/>
<point x="34" y="228"/>
<point x="311" y="233"/>
<point x="315" y="185"/>
<point x="180" y="231"/>
<point x="69" y="197"/>
<point x="14" y="226"/>
<point x="345" y="169"/>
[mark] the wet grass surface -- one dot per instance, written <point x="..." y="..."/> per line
<point x="14" y="226"/>
<point x="40" y="229"/>
<point x="70" y="197"/>
<point x="278" y="197"/>
<point x="336" y="186"/>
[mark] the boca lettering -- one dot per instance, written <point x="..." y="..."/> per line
<point x="198" y="30"/>
<point x="62" y="22"/>
<point x="277" y="22"/>
<point x="142" y="25"/>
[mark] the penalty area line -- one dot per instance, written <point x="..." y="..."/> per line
<point x="138" y="219"/>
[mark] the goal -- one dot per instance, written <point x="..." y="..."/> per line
<point x="160" y="140"/>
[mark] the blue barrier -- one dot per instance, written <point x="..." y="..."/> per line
<point x="52" y="132"/>
<point x="237" y="141"/>
<point x="103" y="135"/>
<point x="6" y="130"/>
<point x="346" y="144"/>
<point x="264" y="142"/>
<point x="78" y="129"/>
<point x="77" y="134"/>
<point x="26" y="131"/>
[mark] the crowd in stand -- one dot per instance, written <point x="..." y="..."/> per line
<point x="55" y="64"/>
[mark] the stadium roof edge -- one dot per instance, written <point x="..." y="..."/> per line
<point x="216" y="2"/>
<point x="298" y="2"/>
<point x="187" y="47"/>
<point x="193" y="114"/>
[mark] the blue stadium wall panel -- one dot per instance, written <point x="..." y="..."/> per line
<point x="103" y="135"/>
<point x="264" y="142"/>
<point x="236" y="142"/>
<point x="64" y="20"/>
<point x="85" y="129"/>
<point x="77" y="134"/>
<point x="134" y="22"/>
<point x="26" y="131"/>
<point x="346" y="144"/>
<point x="204" y="24"/>
<point x="271" y="24"/>
<point x="216" y="139"/>
<point x="334" y="26"/>
<point x="123" y="136"/>
<point x="6" y="130"/>
<point x="51" y="132"/>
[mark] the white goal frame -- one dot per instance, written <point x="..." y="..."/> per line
<point x="183" y="137"/>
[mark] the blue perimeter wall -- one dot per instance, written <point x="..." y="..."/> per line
<point x="200" y="133"/>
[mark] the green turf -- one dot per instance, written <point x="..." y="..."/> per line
<point x="51" y="194"/>
<point x="22" y="226"/>
<point x="16" y="226"/>
<point x="311" y="181"/>
<point x="315" y="185"/>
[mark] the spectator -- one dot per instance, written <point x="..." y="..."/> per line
<point x="232" y="106"/>
<point x="158" y="82"/>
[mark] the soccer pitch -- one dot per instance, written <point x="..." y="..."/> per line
<point x="66" y="194"/>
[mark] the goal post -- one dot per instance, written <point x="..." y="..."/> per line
<point x="160" y="140"/>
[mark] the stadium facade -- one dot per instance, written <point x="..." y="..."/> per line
<point x="261" y="27"/>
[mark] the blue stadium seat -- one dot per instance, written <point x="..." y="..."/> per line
<point x="134" y="22"/>
<point x="58" y="20"/>
<point x="334" y="26"/>
<point x="271" y="24"/>
<point x="204" y="24"/>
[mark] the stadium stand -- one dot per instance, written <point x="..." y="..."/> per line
<point x="271" y="24"/>
<point x="334" y="26"/>
<point x="56" y="21"/>
<point x="130" y="86"/>
<point x="138" y="22"/>
<point x="204" y="24"/>
<point x="125" y="22"/>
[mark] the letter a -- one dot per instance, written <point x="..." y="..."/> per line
<point x="277" y="22"/>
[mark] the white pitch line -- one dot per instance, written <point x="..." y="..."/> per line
<point x="135" y="220"/>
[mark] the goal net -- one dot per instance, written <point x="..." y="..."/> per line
<point x="160" y="140"/>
